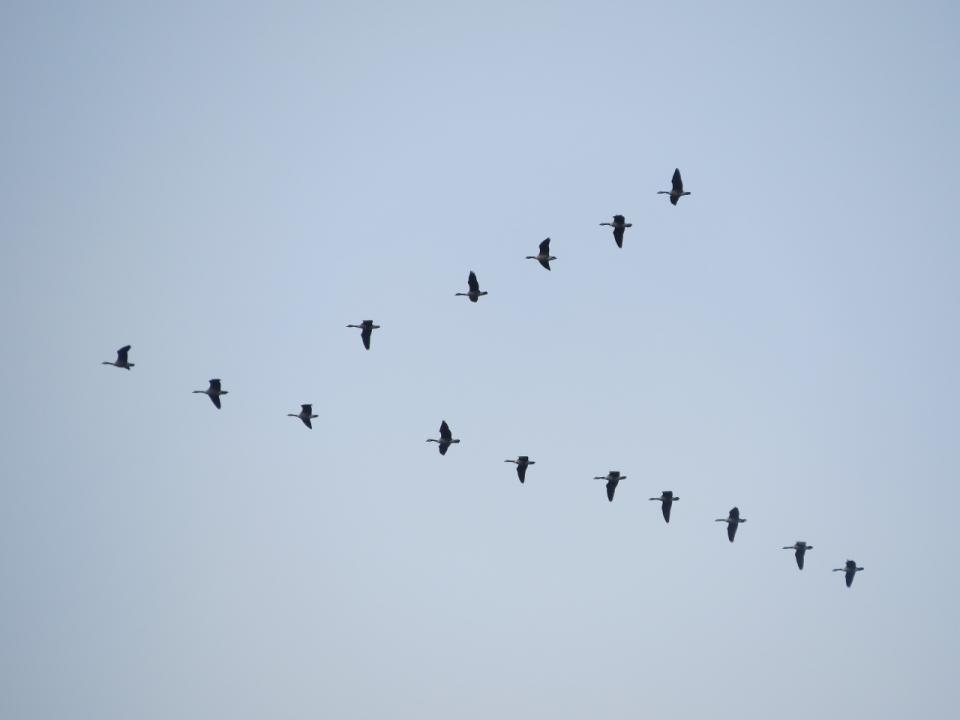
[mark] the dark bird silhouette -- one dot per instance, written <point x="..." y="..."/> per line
<point x="544" y="257"/>
<point x="446" y="438"/>
<point x="800" y="548"/>
<point x="213" y="392"/>
<point x="667" y="498"/>
<point x="366" y="330"/>
<point x="613" y="479"/>
<point x="619" y="224"/>
<point x="305" y="414"/>
<point x="849" y="570"/>
<point x="121" y="361"/>
<point x="677" y="191"/>
<point x="732" y="521"/>
<point x="475" y="293"/>
<point x="522" y="463"/>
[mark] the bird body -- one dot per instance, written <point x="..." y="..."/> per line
<point x="305" y="415"/>
<point x="446" y="438"/>
<point x="121" y="361"/>
<point x="366" y="330"/>
<point x="213" y="392"/>
<point x="543" y="257"/>
<point x="667" y="498"/>
<point x="799" y="548"/>
<point x="613" y="479"/>
<point x="619" y="224"/>
<point x="849" y="570"/>
<point x="522" y="463"/>
<point x="732" y="520"/>
<point x="676" y="192"/>
<point x="474" y="293"/>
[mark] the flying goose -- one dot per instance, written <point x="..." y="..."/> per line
<point x="613" y="478"/>
<point x="732" y="521"/>
<point x="121" y="361"/>
<point x="544" y="257"/>
<point x="522" y="462"/>
<point x="213" y="392"/>
<point x="446" y="438"/>
<point x="618" y="226"/>
<point x="667" y="498"/>
<point x="800" y="547"/>
<point x="677" y="191"/>
<point x="366" y="330"/>
<point x="849" y="570"/>
<point x="305" y="414"/>
<point x="475" y="293"/>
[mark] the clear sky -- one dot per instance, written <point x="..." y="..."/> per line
<point x="225" y="187"/>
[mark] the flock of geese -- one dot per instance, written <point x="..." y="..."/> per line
<point x="733" y="520"/>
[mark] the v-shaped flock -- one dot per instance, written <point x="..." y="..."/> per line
<point x="523" y="462"/>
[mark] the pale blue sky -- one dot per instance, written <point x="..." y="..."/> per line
<point x="226" y="187"/>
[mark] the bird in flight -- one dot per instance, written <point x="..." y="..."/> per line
<point x="121" y="361"/>
<point x="667" y="498"/>
<point x="676" y="192"/>
<point x="213" y="392"/>
<point x="613" y="479"/>
<point x="732" y="521"/>
<point x="475" y="293"/>
<point x="619" y="224"/>
<point x="543" y="257"/>
<point x="446" y="438"/>
<point x="849" y="570"/>
<point x="366" y="330"/>
<point x="800" y="548"/>
<point x="522" y="463"/>
<point x="305" y="414"/>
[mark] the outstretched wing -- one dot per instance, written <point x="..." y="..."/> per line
<point x="544" y="262"/>
<point x="445" y="434"/>
<point x="521" y="471"/>
<point x="215" y="385"/>
<point x="545" y="247"/>
<point x="365" y="336"/>
<point x="799" y="553"/>
<point x="443" y="447"/>
<point x="307" y="409"/>
<point x="215" y="399"/>
<point x="618" y="235"/>
<point x="666" y="505"/>
<point x="122" y="355"/>
<point x="472" y="282"/>
<point x="731" y="530"/>
<point x="307" y="421"/>
<point x="677" y="182"/>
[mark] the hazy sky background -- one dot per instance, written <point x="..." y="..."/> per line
<point x="226" y="187"/>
